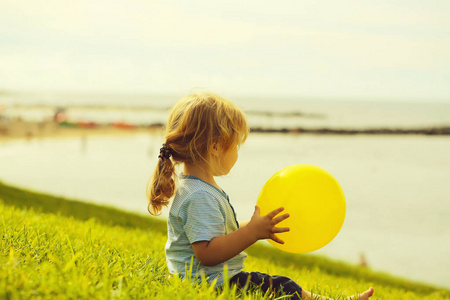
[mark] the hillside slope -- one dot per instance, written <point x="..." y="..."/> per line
<point x="57" y="248"/>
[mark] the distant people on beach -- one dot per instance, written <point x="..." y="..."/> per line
<point x="4" y="120"/>
<point x="363" y="261"/>
<point x="60" y="115"/>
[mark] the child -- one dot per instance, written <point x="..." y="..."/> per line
<point x="204" y="132"/>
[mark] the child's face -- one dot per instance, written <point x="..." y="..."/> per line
<point x="229" y="158"/>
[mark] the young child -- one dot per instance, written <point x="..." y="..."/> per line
<point x="204" y="132"/>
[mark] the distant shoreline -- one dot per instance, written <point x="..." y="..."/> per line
<point x="58" y="121"/>
<point x="31" y="130"/>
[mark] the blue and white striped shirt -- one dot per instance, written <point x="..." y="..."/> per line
<point x="199" y="212"/>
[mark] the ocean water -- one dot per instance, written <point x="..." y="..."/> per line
<point x="396" y="187"/>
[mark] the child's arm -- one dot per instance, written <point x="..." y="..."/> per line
<point x="225" y="247"/>
<point x="243" y="223"/>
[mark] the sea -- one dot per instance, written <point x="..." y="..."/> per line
<point x="396" y="186"/>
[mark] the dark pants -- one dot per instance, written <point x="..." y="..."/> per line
<point x="262" y="281"/>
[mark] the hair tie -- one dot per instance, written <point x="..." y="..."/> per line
<point x="165" y="152"/>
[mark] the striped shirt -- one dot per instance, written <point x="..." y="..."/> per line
<point x="199" y="212"/>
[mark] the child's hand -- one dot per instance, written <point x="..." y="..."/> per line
<point x="263" y="227"/>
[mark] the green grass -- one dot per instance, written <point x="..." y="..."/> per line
<point x="54" y="248"/>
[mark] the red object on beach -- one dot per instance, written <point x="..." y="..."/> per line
<point x="123" y="125"/>
<point x="87" y="124"/>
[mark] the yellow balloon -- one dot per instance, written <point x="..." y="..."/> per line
<point x="315" y="202"/>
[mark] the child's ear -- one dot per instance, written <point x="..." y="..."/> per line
<point x="215" y="149"/>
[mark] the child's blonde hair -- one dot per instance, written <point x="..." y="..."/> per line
<point x="196" y="123"/>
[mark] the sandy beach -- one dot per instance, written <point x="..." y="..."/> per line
<point x="18" y="129"/>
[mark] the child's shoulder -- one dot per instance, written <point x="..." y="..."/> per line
<point x="195" y="192"/>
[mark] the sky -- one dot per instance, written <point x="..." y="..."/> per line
<point x="390" y="49"/>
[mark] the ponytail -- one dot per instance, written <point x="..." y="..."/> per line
<point x="162" y="184"/>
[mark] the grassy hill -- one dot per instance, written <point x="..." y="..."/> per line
<point x="55" y="248"/>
